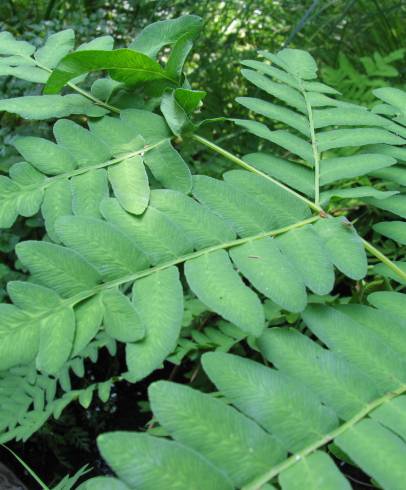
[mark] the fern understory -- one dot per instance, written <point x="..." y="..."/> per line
<point x="132" y="239"/>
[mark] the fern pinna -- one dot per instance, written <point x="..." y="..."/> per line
<point x="130" y="232"/>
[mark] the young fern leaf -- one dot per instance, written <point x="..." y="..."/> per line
<point x="320" y="123"/>
<point x="346" y="386"/>
<point x="71" y="176"/>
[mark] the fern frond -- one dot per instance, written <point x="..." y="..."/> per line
<point x="318" y="123"/>
<point x="345" y="386"/>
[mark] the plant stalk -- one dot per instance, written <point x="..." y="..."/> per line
<point x="384" y="259"/>
<point x="316" y="155"/>
<point x="241" y="163"/>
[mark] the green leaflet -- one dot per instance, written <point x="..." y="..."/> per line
<point x="124" y="65"/>
<point x="378" y="321"/>
<point x="309" y="257"/>
<point x="111" y="252"/>
<point x="279" y="113"/>
<point x="344" y="247"/>
<point x="268" y="397"/>
<point x="19" y="338"/>
<point x="88" y="190"/>
<point x="177" y="107"/>
<point x="121" y="319"/>
<point x="313" y="473"/>
<point x="289" y="141"/>
<point x="55" y="340"/>
<point x="287" y="94"/>
<point x="32" y="297"/>
<point x="46" y="106"/>
<point x="384" y="271"/>
<point x="44" y="155"/>
<point x="184" y="412"/>
<point x="296" y="176"/>
<point x="394" y="204"/>
<point x="274" y="72"/>
<point x="161" y="463"/>
<point x="102" y="42"/>
<point x="392" y="96"/>
<point x="287" y="209"/>
<point x="346" y="116"/>
<point x="57" y="202"/>
<point x="29" y="73"/>
<point x="299" y="63"/>
<point x="158" y="299"/>
<point x="269" y="271"/>
<point x="169" y="168"/>
<point x="85" y="147"/>
<point x="355" y="192"/>
<point x="244" y="214"/>
<point x="8" y="45"/>
<point x="198" y="223"/>
<point x="130" y="184"/>
<point x="167" y="32"/>
<point x="215" y="282"/>
<point x="389" y="302"/>
<point x="179" y="53"/>
<point x="57" y="267"/>
<point x="56" y="47"/>
<point x="339" y="138"/>
<point x="387" y="466"/>
<point x="151" y="126"/>
<point x="153" y="232"/>
<point x="89" y="315"/>
<point x="333" y="169"/>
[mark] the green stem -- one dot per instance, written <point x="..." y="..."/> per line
<point x="384" y="259"/>
<point x="93" y="99"/>
<point x="295" y="458"/>
<point x="241" y="163"/>
<point x="316" y="155"/>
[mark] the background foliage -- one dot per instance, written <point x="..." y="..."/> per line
<point x="360" y="47"/>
